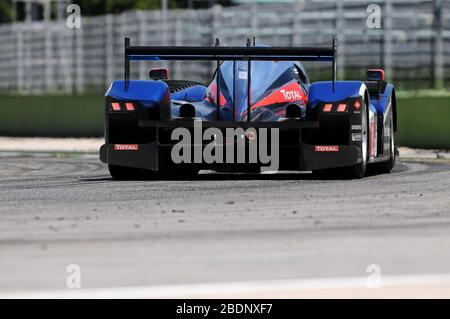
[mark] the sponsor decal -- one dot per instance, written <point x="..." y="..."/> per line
<point x="357" y="105"/>
<point x="291" y="95"/>
<point x="242" y="70"/>
<point x="291" y="92"/>
<point x="126" y="147"/>
<point x="356" y="127"/>
<point x="242" y="75"/>
<point x="327" y="148"/>
<point x="356" y="137"/>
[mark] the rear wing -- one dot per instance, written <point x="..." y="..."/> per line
<point x="218" y="54"/>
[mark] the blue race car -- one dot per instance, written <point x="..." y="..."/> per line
<point x="259" y="100"/>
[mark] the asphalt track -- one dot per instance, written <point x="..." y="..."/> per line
<point x="218" y="228"/>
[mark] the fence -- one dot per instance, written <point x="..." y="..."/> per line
<point x="413" y="44"/>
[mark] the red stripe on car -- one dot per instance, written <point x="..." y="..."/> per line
<point x="291" y="92"/>
<point x="211" y="95"/>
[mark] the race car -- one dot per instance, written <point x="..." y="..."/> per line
<point x="259" y="101"/>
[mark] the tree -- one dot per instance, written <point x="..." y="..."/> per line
<point x="5" y="11"/>
<point x="98" y="7"/>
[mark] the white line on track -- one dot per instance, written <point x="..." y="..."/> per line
<point x="402" y="286"/>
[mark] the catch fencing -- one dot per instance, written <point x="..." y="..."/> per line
<point x="412" y="44"/>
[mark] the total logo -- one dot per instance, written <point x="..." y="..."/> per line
<point x="291" y="95"/>
<point x="126" y="147"/>
<point x="327" y="148"/>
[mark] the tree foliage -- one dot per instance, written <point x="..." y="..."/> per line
<point x="97" y="7"/>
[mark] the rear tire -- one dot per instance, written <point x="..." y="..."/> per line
<point x="387" y="166"/>
<point x="351" y="172"/>
<point x="131" y="173"/>
<point x="359" y="170"/>
<point x="355" y="172"/>
<point x="128" y="173"/>
<point x="183" y="174"/>
<point x="327" y="173"/>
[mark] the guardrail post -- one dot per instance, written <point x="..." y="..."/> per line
<point x="63" y="41"/>
<point x="20" y="58"/>
<point x="216" y="17"/>
<point x="79" y="58"/>
<point x="215" y="22"/>
<point x="438" y="46"/>
<point x="143" y="72"/>
<point x="48" y="49"/>
<point x="340" y="37"/>
<point x="109" y="49"/>
<point x="165" y="22"/>
<point x="387" y="47"/>
<point x="297" y="22"/>
<point x="254" y="20"/>
<point x="178" y="70"/>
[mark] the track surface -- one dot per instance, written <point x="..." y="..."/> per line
<point x="217" y="228"/>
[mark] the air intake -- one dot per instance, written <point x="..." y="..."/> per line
<point x="293" y="111"/>
<point x="187" y="110"/>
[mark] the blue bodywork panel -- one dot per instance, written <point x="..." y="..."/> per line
<point x="148" y="93"/>
<point x="381" y="103"/>
<point x="202" y="110"/>
<point x="323" y="91"/>
<point x="193" y="94"/>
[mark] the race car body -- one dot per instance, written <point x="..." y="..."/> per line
<point x="259" y="102"/>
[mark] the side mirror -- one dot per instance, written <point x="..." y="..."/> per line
<point x="375" y="75"/>
<point x="159" y="74"/>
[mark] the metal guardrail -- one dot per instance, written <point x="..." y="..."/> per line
<point x="413" y="44"/>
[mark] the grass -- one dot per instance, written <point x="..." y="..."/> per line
<point x="63" y="116"/>
<point x="424" y="122"/>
